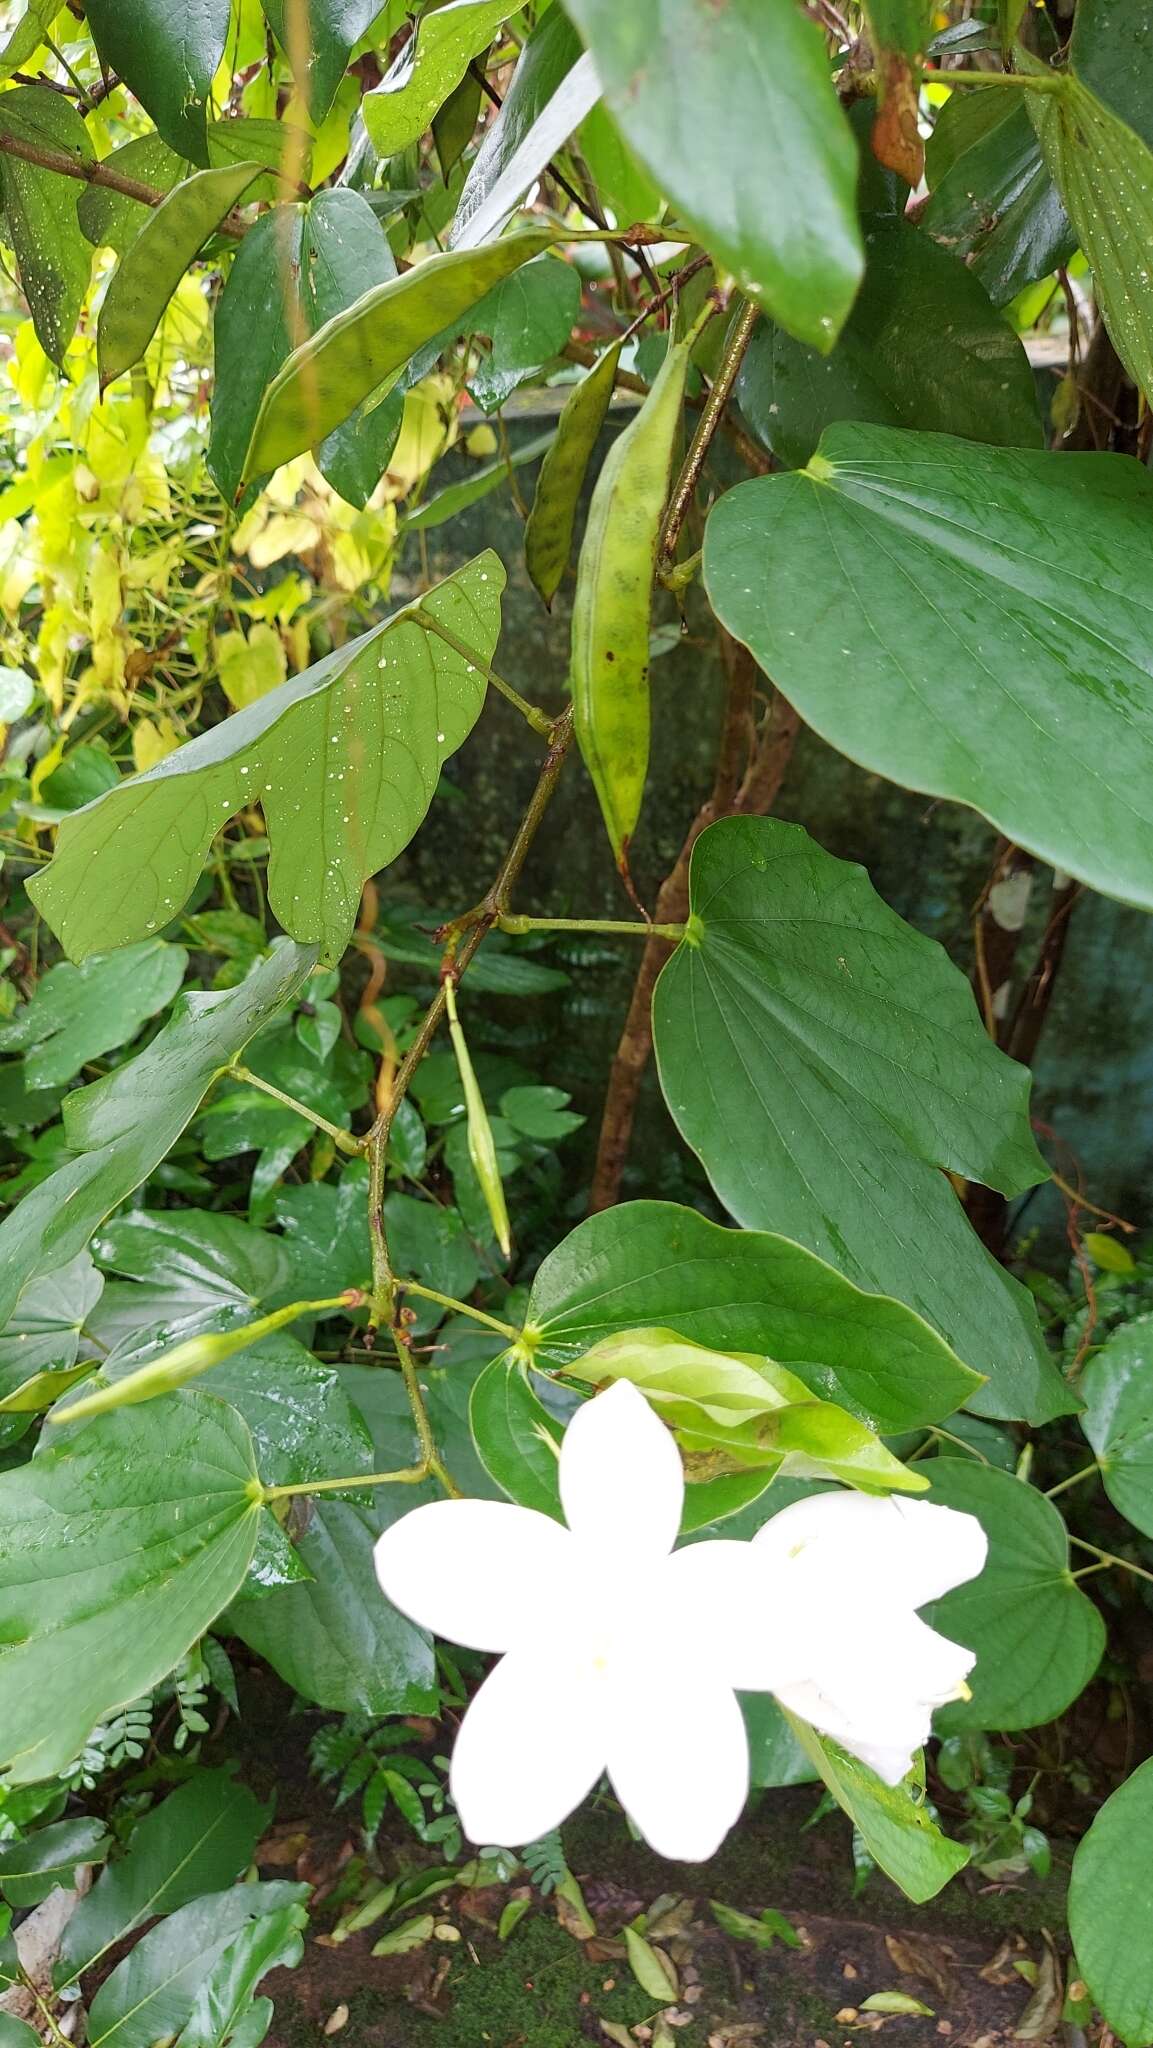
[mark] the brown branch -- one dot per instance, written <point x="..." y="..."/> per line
<point x="94" y="173"/>
<point x="734" y="794"/>
<point x="712" y="414"/>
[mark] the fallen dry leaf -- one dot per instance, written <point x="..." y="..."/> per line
<point x="337" y="2019"/>
<point x="928" y="1960"/>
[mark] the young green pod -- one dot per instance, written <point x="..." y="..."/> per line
<point x="189" y="1360"/>
<point x="613" y="603"/>
<point x="549" y="529"/>
<point x="481" y="1146"/>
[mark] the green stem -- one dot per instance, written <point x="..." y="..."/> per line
<point x="410" y="1476"/>
<point x="424" y="1435"/>
<point x="78" y="82"/>
<point x="1026" y="81"/>
<point x="1074" y="1479"/>
<point x="539" y="720"/>
<point x="629" y="926"/>
<point x="462" y="1308"/>
<point x="343" y="1140"/>
<point x="1107" y="1557"/>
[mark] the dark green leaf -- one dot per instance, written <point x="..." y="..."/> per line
<point x="123" y="1541"/>
<point x="326" y="1232"/>
<point x="826" y="1061"/>
<point x="32" y="1868"/>
<point x="39" y="1346"/>
<point x="454" y="124"/>
<point x="653" y="1264"/>
<point x="191" y="1261"/>
<point x="1112" y="53"/>
<point x="993" y="203"/>
<point x="429" y="68"/>
<point x="344" y="251"/>
<point x="151" y="1995"/>
<point x="303" y="1424"/>
<point x="688" y="84"/>
<point x="953" y="650"/>
<point x="922" y="347"/>
<point x="361" y="802"/>
<point x="199" y="1838"/>
<point x="1109" y="1908"/>
<point x="895" y="1824"/>
<point x="318" y="39"/>
<point x="1117" y="1387"/>
<point x="122" y="1127"/>
<point x="430" y="1244"/>
<point x="226" y="2002"/>
<point x="112" y="220"/>
<point x="40" y="223"/>
<point x="1037" y="1638"/>
<point x="517" y="1440"/>
<point x="775" y="1756"/>
<point x="167" y="51"/>
<point x="153" y="265"/>
<point x="77" y="1014"/>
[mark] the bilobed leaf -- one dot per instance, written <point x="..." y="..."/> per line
<point x="952" y="648"/>
<point x="521" y="129"/>
<point x="1109" y="1908"/>
<point x="1037" y="1637"/>
<point x="78" y="1014"/>
<point x="428" y="68"/>
<point x="655" y="1263"/>
<point x="517" y="1440"/>
<point x="111" y="219"/>
<point x="993" y="203"/>
<point x="196" y="1840"/>
<point x="122" y="1126"/>
<point x="303" y="1424"/>
<point x="123" y="1541"/>
<point x="40" y="1345"/>
<point x="317" y="37"/>
<point x="343" y="758"/>
<point x="39" y="206"/>
<point x="898" y="1831"/>
<point x="167" y="52"/>
<point x="1104" y="173"/>
<point x="1111" y="51"/>
<point x="354" y="354"/>
<point x="334" y="1638"/>
<point x="191" y="1262"/>
<point x="529" y="318"/>
<point x="826" y="1062"/>
<point x="153" y="265"/>
<point x="775" y="1756"/>
<point x="152" y="1994"/>
<point x="297" y="268"/>
<point x="922" y="347"/>
<point x="688" y="83"/>
<point x="1117" y="1388"/>
<point x="32" y="1868"/>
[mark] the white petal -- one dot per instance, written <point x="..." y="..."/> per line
<point x="479" y="1572"/>
<point x="879" y="1704"/>
<point x="679" y="1763"/>
<point x="723" y="1601"/>
<point x="907" y="1551"/>
<point x="621" y="1482"/>
<point x="531" y="1747"/>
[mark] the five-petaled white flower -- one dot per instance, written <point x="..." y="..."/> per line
<point x="621" y="1654"/>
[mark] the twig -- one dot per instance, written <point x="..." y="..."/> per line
<point x="93" y="173"/>
<point x="712" y="413"/>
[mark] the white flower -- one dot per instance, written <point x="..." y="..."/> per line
<point x="619" y="1655"/>
<point x="850" y="1570"/>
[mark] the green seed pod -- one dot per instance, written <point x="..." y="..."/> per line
<point x="549" y="531"/>
<point x="481" y="1148"/>
<point x="189" y="1360"/>
<point x="613" y="604"/>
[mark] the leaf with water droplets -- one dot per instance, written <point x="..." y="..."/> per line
<point x="40" y="224"/>
<point x="167" y="52"/>
<point x="342" y="759"/>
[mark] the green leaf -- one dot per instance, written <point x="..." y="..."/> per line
<point x="652" y="1263"/>
<point x="152" y="1994"/>
<point x="318" y="38"/>
<point x="541" y="69"/>
<point x="1104" y="173"/>
<point x="39" y="1346"/>
<point x="1117" y="1388"/>
<point x="541" y="1113"/>
<point x="762" y="1932"/>
<point x="902" y="25"/>
<point x="77" y="1014"/>
<point x="353" y="355"/>
<point x="345" y="756"/>
<point x="303" y="1424"/>
<point x="456" y="498"/>
<point x="16" y="2033"/>
<point x="548" y="532"/>
<point x="775" y="1756"/>
<point x="40" y="223"/>
<point x="993" y="202"/>
<point x="32" y="1868"/>
<point x="1109" y="1908"/>
<point x="953" y="651"/>
<point x="326" y="1232"/>
<point x="122" y="1126"/>
<point x="189" y="1264"/>
<point x="196" y="1840"/>
<point x="894" y="1822"/>
<point x="333" y="1638"/>
<point x="428" y="68"/>
<point x="153" y="265"/>
<point x="825" y="1060"/>
<point x="1111" y="52"/>
<point x="487" y="201"/>
<point x="922" y="347"/>
<point x="529" y="318"/>
<point x="297" y="268"/>
<point x="430" y="1243"/>
<point x="112" y="220"/>
<point x="27" y="35"/>
<point x="517" y="1440"/>
<point x="688" y="83"/>
<point x="122" y="1542"/>
<point x="167" y="52"/>
<point x="1037" y="1637"/>
<point x="226" y="2001"/>
<point x="651" y="1968"/>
